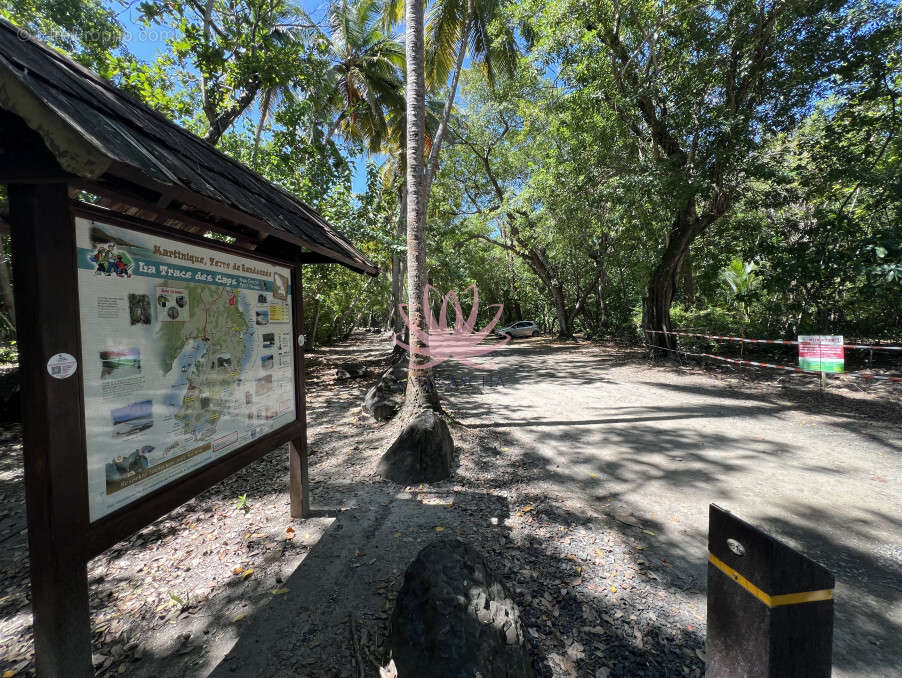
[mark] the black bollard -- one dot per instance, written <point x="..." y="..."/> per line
<point x="770" y="609"/>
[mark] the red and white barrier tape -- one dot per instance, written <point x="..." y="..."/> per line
<point x="767" y="341"/>
<point x="788" y="368"/>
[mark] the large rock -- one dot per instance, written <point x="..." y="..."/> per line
<point x="384" y="399"/>
<point x="349" y="371"/>
<point x="381" y="403"/>
<point x="421" y="454"/>
<point x="454" y="619"/>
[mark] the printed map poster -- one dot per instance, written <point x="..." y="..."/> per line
<point x="821" y="353"/>
<point x="187" y="354"/>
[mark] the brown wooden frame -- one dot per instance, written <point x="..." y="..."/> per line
<point x="61" y="537"/>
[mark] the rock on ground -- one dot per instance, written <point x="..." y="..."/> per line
<point x="379" y="403"/>
<point x="383" y="400"/>
<point x="421" y="454"/>
<point x="454" y="619"/>
<point x="349" y="371"/>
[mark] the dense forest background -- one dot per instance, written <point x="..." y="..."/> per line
<point x="733" y="165"/>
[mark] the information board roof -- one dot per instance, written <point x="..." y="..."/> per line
<point x="102" y="140"/>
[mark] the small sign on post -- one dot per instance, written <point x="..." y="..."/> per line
<point x="770" y="608"/>
<point x="821" y="353"/>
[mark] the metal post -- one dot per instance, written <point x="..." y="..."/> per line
<point x="770" y="608"/>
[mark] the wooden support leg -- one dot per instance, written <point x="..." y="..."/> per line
<point x="298" y="481"/>
<point x="56" y="486"/>
<point x="299" y="485"/>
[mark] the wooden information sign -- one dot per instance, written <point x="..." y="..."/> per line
<point x="167" y="363"/>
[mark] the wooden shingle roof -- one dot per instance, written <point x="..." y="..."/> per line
<point x="103" y="141"/>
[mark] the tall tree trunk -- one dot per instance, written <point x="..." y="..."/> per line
<point x="600" y="304"/>
<point x="688" y="281"/>
<point x="397" y="323"/>
<point x="421" y="393"/>
<point x="543" y="270"/>
<point x="663" y="282"/>
<point x="560" y="310"/>
<point x="264" y="114"/>
<point x="311" y="342"/>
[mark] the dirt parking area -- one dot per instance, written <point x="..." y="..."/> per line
<point x="820" y="469"/>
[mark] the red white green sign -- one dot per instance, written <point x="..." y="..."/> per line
<point x="821" y="353"/>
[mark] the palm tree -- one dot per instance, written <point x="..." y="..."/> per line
<point x="740" y="279"/>
<point x="366" y="62"/>
<point x="394" y="171"/>
<point x="420" y="392"/>
<point x="456" y="27"/>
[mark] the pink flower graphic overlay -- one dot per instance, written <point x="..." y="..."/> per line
<point x="460" y="342"/>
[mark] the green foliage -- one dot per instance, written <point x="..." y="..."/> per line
<point x="9" y="353"/>
<point x="771" y="132"/>
<point x="88" y="30"/>
<point x="365" y="73"/>
<point x="740" y="277"/>
<point x="708" y="320"/>
<point x="241" y="505"/>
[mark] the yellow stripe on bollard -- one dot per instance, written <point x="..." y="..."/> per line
<point x="766" y="598"/>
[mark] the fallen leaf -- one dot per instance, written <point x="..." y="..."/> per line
<point x="649" y="532"/>
<point x="279" y="592"/>
<point x="613" y="589"/>
<point x="527" y="509"/>
<point x="289" y="533"/>
<point x="247" y="573"/>
<point x="439" y="529"/>
<point x="237" y="569"/>
<point x="239" y="618"/>
<point x="396" y="535"/>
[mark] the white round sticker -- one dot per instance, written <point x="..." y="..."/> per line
<point x="62" y="366"/>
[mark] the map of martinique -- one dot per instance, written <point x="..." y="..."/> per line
<point x="187" y="355"/>
<point x="209" y="349"/>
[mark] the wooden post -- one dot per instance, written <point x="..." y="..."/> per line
<point x="298" y="482"/>
<point x="46" y="296"/>
<point x="770" y="608"/>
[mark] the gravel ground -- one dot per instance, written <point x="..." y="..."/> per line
<point x="820" y="469"/>
<point x="583" y="475"/>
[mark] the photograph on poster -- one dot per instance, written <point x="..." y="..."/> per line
<point x="139" y="309"/>
<point x="189" y="347"/>
<point x="132" y="418"/>
<point x="264" y="385"/>
<point x="280" y="286"/>
<point x="118" y="363"/>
